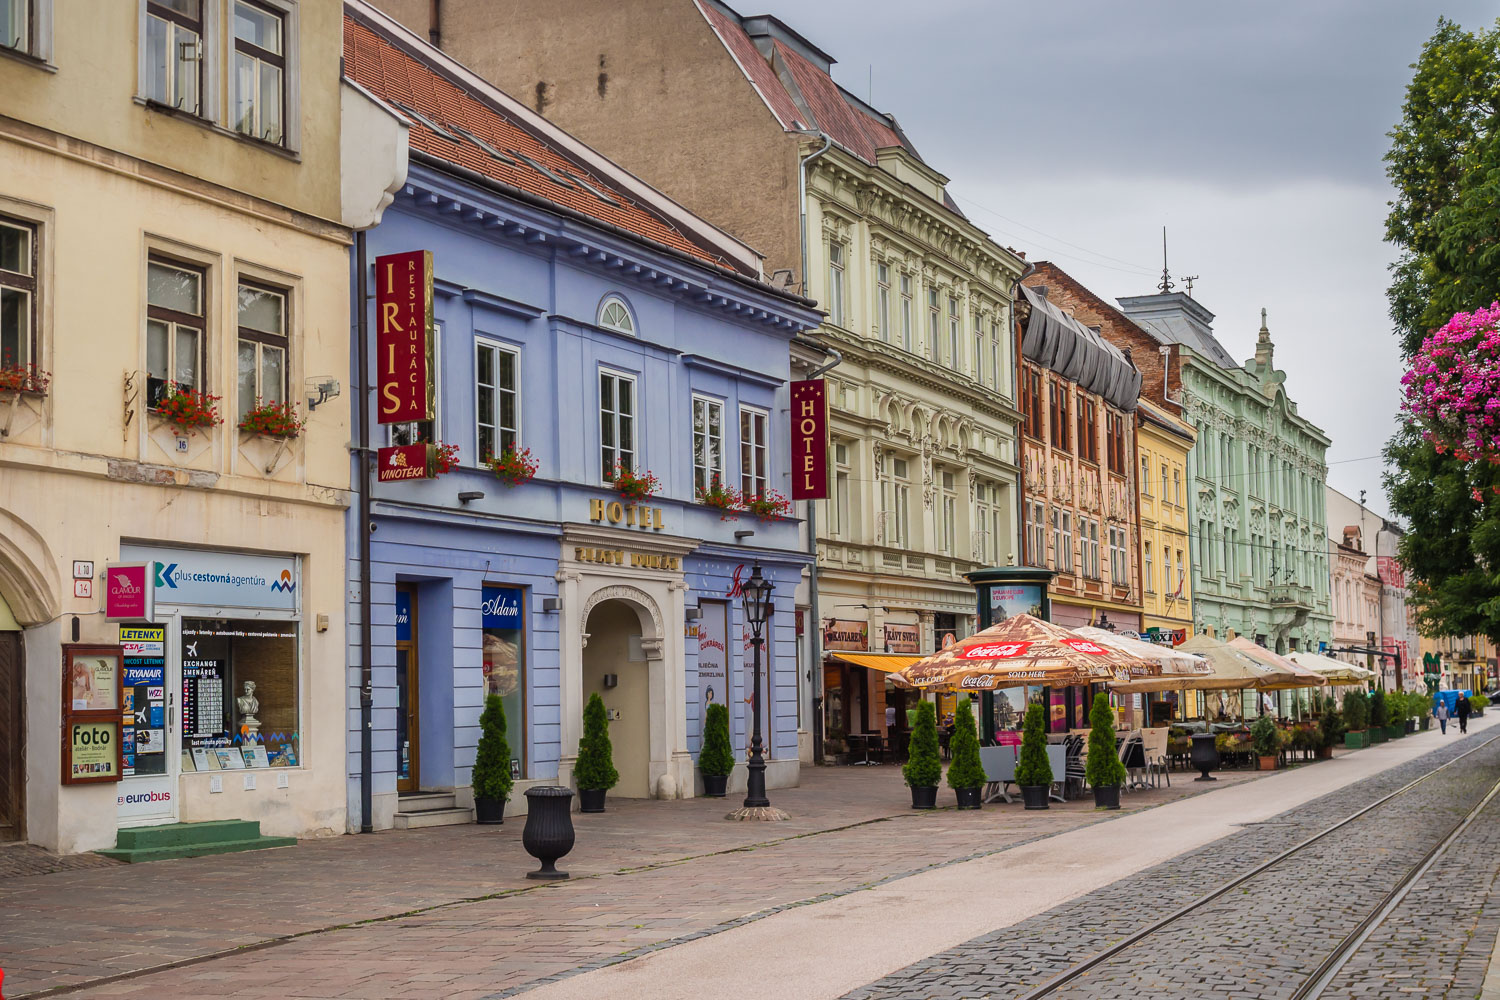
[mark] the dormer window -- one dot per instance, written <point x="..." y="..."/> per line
<point x="615" y="315"/>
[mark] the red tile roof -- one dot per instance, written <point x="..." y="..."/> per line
<point x="755" y="66"/>
<point x="395" y="75"/>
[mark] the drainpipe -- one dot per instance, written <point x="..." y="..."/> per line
<point x="435" y="24"/>
<point x="362" y="412"/>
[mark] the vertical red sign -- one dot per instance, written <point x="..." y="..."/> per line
<point x="403" y="336"/>
<point x="809" y="440"/>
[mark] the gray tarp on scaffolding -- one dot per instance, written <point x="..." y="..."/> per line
<point x="1064" y="345"/>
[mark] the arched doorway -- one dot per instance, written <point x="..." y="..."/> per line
<point x="615" y="667"/>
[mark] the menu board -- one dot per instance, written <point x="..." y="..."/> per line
<point x="143" y="712"/>
<point x="91" y="716"/>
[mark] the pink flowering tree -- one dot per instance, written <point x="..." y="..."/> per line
<point x="1452" y="391"/>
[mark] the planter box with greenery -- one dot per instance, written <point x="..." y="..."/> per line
<point x="186" y="409"/>
<point x="491" y="778"/>
<point x="1330" y="731"/>
<point x="595" y="770"/>
<point x="768" y="506"/>
<point x="1265" y="738"/>
<point x="1104" y="769"/>
<point x="26" y="379"/>
<point x="966" y="773"/>
<point x="1356" y="718"/>
<point x="716" y="759"/>
<point x="721" y="498"/>
<point x="633" y="486"/>
<point x="1033" y="769"/>
<point x="272" y="419"/>
<point x="513" y="467"/>
<point x="922" y="768"/>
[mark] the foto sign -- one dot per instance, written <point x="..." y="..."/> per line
<point x="128" y="592"/>
<point x="809" y="440"/>
<point x="404" y="336"/>
<point x="403" y="461"/>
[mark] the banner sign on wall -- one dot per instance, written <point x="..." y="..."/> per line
<point x="901" y="638"/>
<point x="127" y="593"/>
<point x="204" y="578"/>
<point x="809" y="440"/>
<point x="404" y="461"/>
<point x="851" y="636"/>
<point x="404" y="337"/>
<point x="713" y="655"/>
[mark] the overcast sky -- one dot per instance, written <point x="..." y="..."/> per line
<point x="1074" y="130"/>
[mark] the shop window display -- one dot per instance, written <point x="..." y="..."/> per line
<point x="239" y="694"/>
<point x="505" y="664"/>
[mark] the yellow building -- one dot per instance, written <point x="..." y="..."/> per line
<point x="174" y="219"/>
<point x="1461" y="662"/>
<point x="1163" y="442"/>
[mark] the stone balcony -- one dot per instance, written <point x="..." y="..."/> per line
<point x="1293" y="595"/>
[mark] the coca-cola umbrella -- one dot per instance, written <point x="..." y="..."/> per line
<point x="1023" y="650"/>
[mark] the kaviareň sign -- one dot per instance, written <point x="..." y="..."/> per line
<point x="205" y="579"/>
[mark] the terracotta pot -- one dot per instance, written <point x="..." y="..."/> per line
<point x="1106" y="796"/>
<point x="489" y="810"/>
<point x="1325" y="753"/>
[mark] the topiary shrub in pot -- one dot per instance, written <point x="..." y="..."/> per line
<point x="716" y="759"/>
<point x="1104" y="769"/>
<point x="1356" y="719"/>
<point x="922" y="768"/>
<point x="595" y="771"/>
<point x="1330" y="732"/>
<point x="1380" y="717"/>
<point x="966" y="773"/>
<point x="1266" y="739"/>
<point x="491" y="778"/>
<point x="1033" y="769"/>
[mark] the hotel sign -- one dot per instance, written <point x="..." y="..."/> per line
<point x="629" y="514"/>
<point x="809" y="440"/>
<point x="404" y="356"/>
<point x="404" y="461"/>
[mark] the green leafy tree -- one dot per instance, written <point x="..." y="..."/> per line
<point x="717" y="756"/>
<point x="1104" y="767"/>
<point x="1264" y="737"/>
<point x="1356" y="711"/>
<point x="596" y="756"/>
<point x="1444" y="163"/>
<point x="1032" y="767"/>
<point x="922" y="768"/>
<point x="966" y="771"/>
<point x="491" y="778"/>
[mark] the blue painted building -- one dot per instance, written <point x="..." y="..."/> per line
<point x="587" y="319"/>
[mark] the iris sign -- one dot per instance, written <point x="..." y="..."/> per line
<point x="403" y="336"/>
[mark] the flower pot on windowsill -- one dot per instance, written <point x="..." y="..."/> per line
<point x="1106" y="796"/>
<point x="24" y="380"/>
<point x="1035" y="796"/>
<point x="968" y="798"/>
<point x="924" y="796"/>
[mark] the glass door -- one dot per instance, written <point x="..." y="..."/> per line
<point x="408" y="735"/>
<point x="150" y="721"/>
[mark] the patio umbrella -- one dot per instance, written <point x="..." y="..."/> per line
<point x="1171" y="660"/>
<point x="1333" y="671"/>
<point x="1292" y="675"/>
<point x="1022" y="650"/>
<point x="1230" y="669"/>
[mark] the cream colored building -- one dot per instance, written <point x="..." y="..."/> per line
<point x="172" y="211"/>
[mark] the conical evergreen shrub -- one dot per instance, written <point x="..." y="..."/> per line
<point x="1356" y="711"/>
<point x="491" y="777"/>
<point x="1104" y="767"/>
<point x="1032" y="767"/>
<point x="1379" y="714"/>
<point x="922" y="768"/>
<point x="966" y="771"/>
<point x="596" y="757"/>
<point x="717" y="756"/>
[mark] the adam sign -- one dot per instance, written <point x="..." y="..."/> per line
<point x="403" y="336"/>
<point x="809" y="440"/>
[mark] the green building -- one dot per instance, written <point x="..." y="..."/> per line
<point x="1256" y="476"/>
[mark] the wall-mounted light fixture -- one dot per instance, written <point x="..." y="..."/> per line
<point x="743" y="534"/>
<point x="693" y="614"/>
<point x="320" y="389"/>
<point x="611" y="680"/>
<point x="551" y="605"/>
<point x="468" y="496"/>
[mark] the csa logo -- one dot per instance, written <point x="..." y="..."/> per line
<point x="284" y="583"/>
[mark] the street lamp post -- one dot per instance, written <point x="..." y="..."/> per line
<point x="757" y="591"/>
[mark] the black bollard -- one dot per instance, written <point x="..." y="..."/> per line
<point x="549" y="828"/>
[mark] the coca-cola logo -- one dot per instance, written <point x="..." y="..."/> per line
<point x="1085" y="646"/>
<point x="976" y="683"/>
<point x="996" y="651"/>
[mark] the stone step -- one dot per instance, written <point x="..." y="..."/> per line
<point x="142" y="838"/>
<point x="136" y="856"/>
<point x="425" y="802"/>
<point x="432" y="817"/>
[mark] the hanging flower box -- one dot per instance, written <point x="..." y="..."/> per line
<point x="720" y="497"/>
<point x="444" y="458"/>
<point x="768" y="506"/>
<point x="278" y="420"/>
<point x="633" y="486"/>
<point x="514" y="467"/>
<point x="186" y="409"/>
<point x="27" y="379"/>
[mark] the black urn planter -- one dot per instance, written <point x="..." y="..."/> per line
<point x="1205" y="756"/>
<point x="1035" y="796"/>
<point x="549" y="828"/>
<point x="489" y="810"/>
<point x="715" y="786"/>
<point x="591" y="800"/>
<point x="1106" y="796"/>
<point x="924" y="797"/>
<point x="968" y="798"/>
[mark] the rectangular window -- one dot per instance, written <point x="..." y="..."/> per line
<point x="955" y="325"/>
<point x="1117" y="444"/>
<point x="174" y="328"/>
<point x="1181" y="573"/>
<point x="995" y="382"/>
<point x="1117" y="566"/>
<point x="1176" y="486"/>
<point x="883" y="301"/>
<point x="18" y="341"/>
<point x="1146" y="475"/>
<point x="948" y="514"/>
<point x="1036" y="535"/>
<point x="1057" y="395"/>
<point x="1094" y="548"/>
<point x="977" y="372"/>
<point x="755" y="470"/>
<point x="174" y="54"/>
<point x="836" y="284"/>
<point x="497" y="398"/>
<point x="934" y="322"/>
<point x="616" y="423"/>
<point x="16" y="21"/>
<point x="504" y="660"/>
<point x="423" y="431"/>
<point x="839" y="508"/>
<point x="898" y="505"/>
<point x="1057" y="546"/>
<point x="1148" y="569"/>
<point x="1166" y="571"/>
<point x="906" y="312"/>
<point x="226" y="656"/>
<point x="1165" y="495"/>
<point x="259" y="107"/>
<point x="708" y="444"/>
<point x="1065" y="560"/>
<point x="262" y="357"/>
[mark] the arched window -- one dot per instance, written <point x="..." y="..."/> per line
<point x="614" y="314"/>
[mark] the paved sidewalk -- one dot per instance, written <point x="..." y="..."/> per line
<point x="452" y="912"/>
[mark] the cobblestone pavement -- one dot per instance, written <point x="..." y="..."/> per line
<point x="448" y="912"/>
<point x="17" y="860"/>
<point x="1264" y="937"/>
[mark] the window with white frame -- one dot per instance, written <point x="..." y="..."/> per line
<point x="708" y="444"/>
<point x="18" y="289"/>
<point x="1065" y="558"/>
<point x="616" y="423"/>
<point x="174" y="54"/>
<point x="423" y="431"/>
<point x="497" y="399"/>
<point x="977" y="371"/>
<point x="175" y="320"/>
<point x="948" y="515"/>
<point x="836" y="284"/>
<point x="615" y="315"/>
<point x="1148" y="568"/>
<point x="259" y="76"/>
<point x="1089" y="542"/>
<point x="755" y="468"/>
<point x="1166" y="571"/>
<point x="906" y="313"/>
<point x="995" y="382"/>
<point x="883" y="301"/>
<point x="1176" y="486"/>
<point x="20" y="27"/>
<point x="934" y="324"/>
<point x="896" y="504"/>
<point x="838" y="507"/>
<point x="1146" y="476"/>
<point x="955" y="333"/>
<point x="1181" y="574"/>
<point x="1117" y="564"/>
<point x="262" y="374"/>
<point x="1165" y="496"/>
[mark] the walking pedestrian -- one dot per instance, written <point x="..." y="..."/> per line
<point x="1462" y="710"/>
<point x="1440" y="712"/>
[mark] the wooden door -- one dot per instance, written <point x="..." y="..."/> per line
<point x="408" y="728"/>
<point x="12" y="739"/>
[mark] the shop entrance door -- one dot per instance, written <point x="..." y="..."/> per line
<point x="12" y="739"/>
<point x="408" y="727"/>
<point x="152" y="737"/>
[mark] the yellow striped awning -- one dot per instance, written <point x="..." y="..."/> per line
<point x="884" y="662"/>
